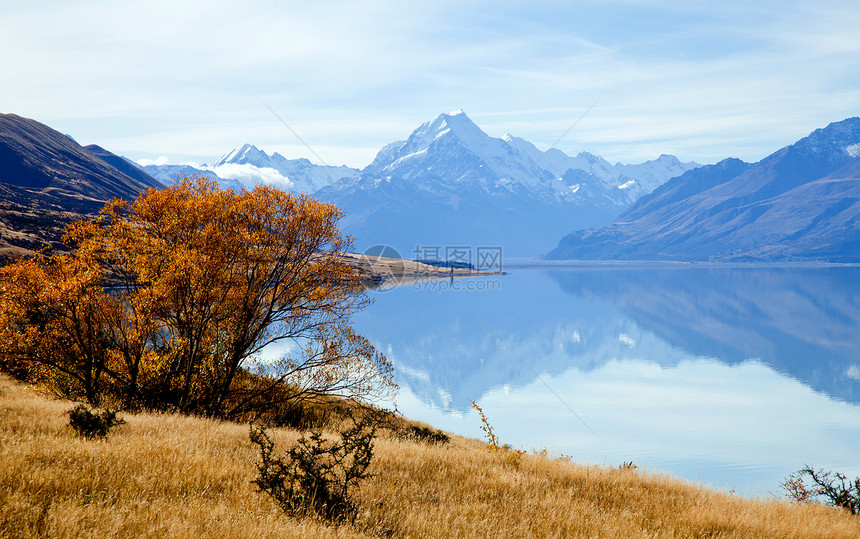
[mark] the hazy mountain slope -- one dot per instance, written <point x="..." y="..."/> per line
<point x="248" y="166"/>
<point x="125" y="166"/>
<point x="48" y="181"/>
<point x="451" y="184"/>
<point x="167" y="174"/>
<point x="797" y="204"/>
<point x="34" y="156"/>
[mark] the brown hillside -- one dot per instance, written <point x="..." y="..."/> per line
<point x="47" y="181"/>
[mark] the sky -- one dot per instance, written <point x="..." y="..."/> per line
<point x="187" y="81"/>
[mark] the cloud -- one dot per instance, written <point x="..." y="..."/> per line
<point x="250" y="175"/>
<point x="701" y="80"/>
<point x="161" y="160"/>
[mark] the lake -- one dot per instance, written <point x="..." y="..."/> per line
<point x="729" y="376"/>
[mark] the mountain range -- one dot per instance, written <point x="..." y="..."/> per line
<point x="449" y="184"/>
<point x="801" y="203"/>
<point x="247" y="166"/>
<point x="801" y="322"/>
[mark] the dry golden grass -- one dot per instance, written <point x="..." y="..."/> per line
<point x="174" y="476"/>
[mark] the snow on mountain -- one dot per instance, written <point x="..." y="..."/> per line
<point x="634" y="180"/>
<point x="247" y="153"/>
<point x="652" y="174"/>
<point x="558" y="162"/>
<point x="449" y="183"/>
<point x="167" y="174"/>
<point x="455" y="150"/>
<point x="799" y="203"/>
<point x="249" y="166"/>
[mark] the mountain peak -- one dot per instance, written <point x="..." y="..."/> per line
<point x="590" y="157"/>
<point x="456" y="124"/>
<point x="244" y="154"/>
<point x="35" y="156"/>
<point x="668" y="159"/>
<point x="458" y="121"/>
<point x="837" y="136"/>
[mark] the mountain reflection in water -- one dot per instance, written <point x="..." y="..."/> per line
<point x="712" y="373"/>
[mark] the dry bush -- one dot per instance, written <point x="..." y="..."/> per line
<point x="318" y="476"/>
<point x="92" y="425"/>
<point x="833" y="488"/>
<point x="424" y="434"/>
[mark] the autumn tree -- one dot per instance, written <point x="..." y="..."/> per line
<point x="172" y="300"/>
<point x="52" y="319"/>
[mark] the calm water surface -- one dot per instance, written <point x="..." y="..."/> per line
<point x="733" y="377"/>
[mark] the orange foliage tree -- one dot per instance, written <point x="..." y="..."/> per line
<point x="203" y="282"/>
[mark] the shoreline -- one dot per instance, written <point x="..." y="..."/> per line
<point x="377" y="270"/>
<point x="526" y="263"/>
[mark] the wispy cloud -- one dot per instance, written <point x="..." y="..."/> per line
<point x="162" y="160"/>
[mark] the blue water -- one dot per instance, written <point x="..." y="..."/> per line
<point x="734" y="377"/>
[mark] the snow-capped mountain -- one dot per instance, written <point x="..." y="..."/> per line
<point x="248" y="166"/>
<point x="799" y="203"/>
<point x="449" y="183"/>
<point x="454" y="151"/>
<point x="167" y="174"/>
<point x="632" y="180"/>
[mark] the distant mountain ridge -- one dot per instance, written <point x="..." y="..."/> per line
<point x="248" y="165"/>
<point x="634" y="179"/>
<point x="451" y="184"/>
<point x="167" y="174"/>
<point x="34" y="156"/>
<point x="125" y="166"/>
<point x="801" y="203"/>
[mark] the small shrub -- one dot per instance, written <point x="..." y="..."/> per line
<point x="92" y="425"/>
<point x="545" y="453"/>
<point x="424" y="434"/>
<point x="492" y="439"/>
<point x="317" y="475"/>
<point x="308" y="417"/>
<point x="834" y="489"/>
<point x="512" y="457"/>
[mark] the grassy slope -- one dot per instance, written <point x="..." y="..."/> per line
<point x="174" y="476"/>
